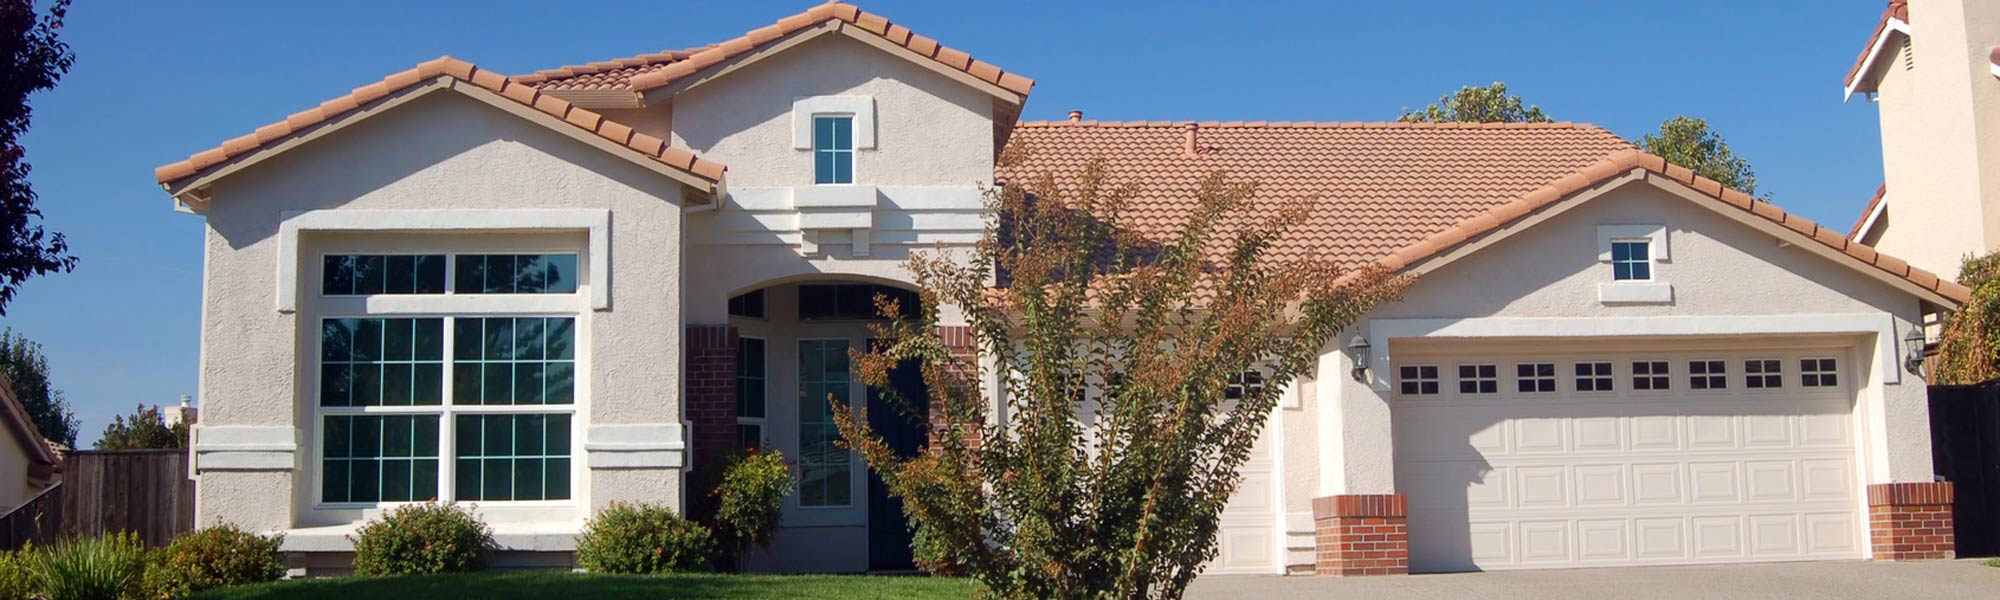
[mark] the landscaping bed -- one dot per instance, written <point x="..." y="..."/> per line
<point x="554" y="584"/>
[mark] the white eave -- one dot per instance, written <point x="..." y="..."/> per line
<point x="1893" y="27"/>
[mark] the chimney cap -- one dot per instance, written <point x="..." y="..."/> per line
<point x="1075" y="115"/>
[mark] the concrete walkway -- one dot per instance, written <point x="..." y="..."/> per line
<point x="1956" y="580"/>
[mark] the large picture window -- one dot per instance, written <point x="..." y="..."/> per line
<point x="824" y="466"/>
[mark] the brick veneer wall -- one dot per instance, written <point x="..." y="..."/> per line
<point x="1361" y="534"/>
<point x="1910" y="521"/>
<point x="958" y="340"/>
<point x="710" y="404"/>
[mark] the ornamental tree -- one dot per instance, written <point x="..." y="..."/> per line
<point x="1488" y="104"/>
<point x="1968" y="349"/>
<point x="1123" y="410"/>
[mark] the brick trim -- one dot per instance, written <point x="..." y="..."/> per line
<point x="710" y="402"/>
<point x="958" y="342"/>
<point x="1911" y="521"/>
<point x="1361" y="534"/>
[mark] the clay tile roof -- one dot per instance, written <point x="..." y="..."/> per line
<point x="1854" y="233"/>
<point x="1898" y="10"/>
<point x="303" y="121"/>
<point x="659" y="70"/>
<point x="1392" y="194"/>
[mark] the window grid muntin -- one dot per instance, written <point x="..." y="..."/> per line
<point x="1819" y="371"/>
<point x="378" y="361"/>
<point x="448" y="270"/>
<point x="825" y="469"/>
<point x="1707" y="374"/>
<point x="377" y="273"/>
<point x="1535" y="378"/>
<point x="1418" y="380"/>
<point x="519" y="453"/>
<point x="833" y="149"/>
<point x="388" y="463"/>
<point x="1479" y="379"/>
<point x="1594" y="377"/>
<point x="1764" y="373"/>
<point x="551" y="354"/>
<point x="1652" y="375"/>
<point x="1631" y="260"/>
<point x="444" y="413"/>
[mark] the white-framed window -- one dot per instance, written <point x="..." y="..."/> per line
<point x="1418" y="380"/>
<point x="1478" y="379"/>
<point x="1819" y="372"/>
<point x="1708" y="375"/>
<point x="1763" y="373"/>
<point x="833" y="149"/>
<point x="825" y="468"/>
<point x="1651" y="375"/>
<point x="1593" y="377"/>
<point x="458" y="397"/>
<point x="1535" y="378"/>
<point x="1632" y="259"/>
<point x="751" y="371"/>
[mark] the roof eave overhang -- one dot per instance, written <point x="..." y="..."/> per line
<point x="1868" y="221"/>
<point x="1864" y="79"/>
<point x="736" y="63"/>
<point x="191" y="194"/>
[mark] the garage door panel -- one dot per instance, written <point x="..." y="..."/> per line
<point x="1507" y="480"/>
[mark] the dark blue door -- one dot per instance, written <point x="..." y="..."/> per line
<point x="903" y="429"/>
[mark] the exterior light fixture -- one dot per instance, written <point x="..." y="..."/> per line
<point x="1913" y="350"/>
<point x="1357" y="350"/>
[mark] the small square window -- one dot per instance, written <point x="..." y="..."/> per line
<point x="1593" y="377"/>
<point x="1535" y="378"/>
<point x="1708" y="375"/>
<point x="833" y="149"/>
<point x="1650" y="375"/>
<point x="1818" y="372"/>
<point x="1421" y="380"/>
<point x="1478" y="379"/>
<point x="1763" y="373"/>
<point x="1631" y="260"/>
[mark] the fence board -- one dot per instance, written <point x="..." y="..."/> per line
<point x="146" y="492"/>
<point x="1965" y="450"/>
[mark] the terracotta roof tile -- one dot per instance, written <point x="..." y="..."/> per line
<point x="299" y="122"/>
<point x="1854" y="233"/>
<point x="1898" y="10"/>
<point x="650" y="71"/>
<point x="1392" y="194"/>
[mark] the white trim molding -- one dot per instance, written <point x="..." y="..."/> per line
<point x="245" y="447"/>
<point x="1893" y="27"/>
<point x="636" y="446"/>
<point x="862" y="108"/>
<point x="597" y="222"/>
<point x="1635" y="292"/>
<point x="1881" y="325"/>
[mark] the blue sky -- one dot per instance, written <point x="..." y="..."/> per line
<point x="155" y="81"/>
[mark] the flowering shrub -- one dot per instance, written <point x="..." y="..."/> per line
<point x="422" y="538"/>
<point x="212" y="557"/>
<point x="642" y="538"/>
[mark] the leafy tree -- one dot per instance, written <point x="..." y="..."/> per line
<point x="1688" y="142"/>
<point x="21" y="361"/>
<point x="35" y="59"/>
<point x="1117" y="496"/>
<point x="1489" y="104"/>
<point x="1969" y="347"/>
<point x="142" y="430"/>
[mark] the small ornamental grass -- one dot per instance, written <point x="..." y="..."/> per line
<point x="99" y="568"/>
<point x="17" y="581"/>
<point x="643" y="538"/>
<point x="420" y="539"/>
<point x="210" y="558"/>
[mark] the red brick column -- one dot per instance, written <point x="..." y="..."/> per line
<point x="1910" y="521"/>
<point x="958" y="341"/>
<point x="1361" y="534"/>
<point x="710" y="405"/>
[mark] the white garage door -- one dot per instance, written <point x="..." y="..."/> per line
<point x="1247" y="537"/>
<point x="1517" y="460"/>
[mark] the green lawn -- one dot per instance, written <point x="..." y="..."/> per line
<point x="576" y="586"/>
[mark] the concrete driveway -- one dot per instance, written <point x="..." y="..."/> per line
<point x="1959" y="579"/>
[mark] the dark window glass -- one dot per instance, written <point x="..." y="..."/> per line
<point x="513" y="457"/>
<point x="514" y="360"/>
<point x="1535" y="378"/>
<point x="379" y="458"/>
<point x="1419" y="380"/>
<point x="370" y="274"/>
<point x="1631" y="261"/>
<point x="1763" y="374"/>
<point x="750" y="378"/>
<point x="516" y="274"/>
<point x="852" y="301"/>
<point x="1650" y="375"/>
<point x="1818" y="372"/>
<point x="1478" y="379"/>
<point x="1708" y="375"/>
<point x="1593" y="377"/>
<point x="748" y="304"/>
<point x="833" y="150"/>
<point x="381" y="362"/>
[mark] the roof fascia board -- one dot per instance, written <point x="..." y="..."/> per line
<point x="831" y="26"/>
<point x="1684" y="192"/>
<point x="587" y="137"/>
<point x="234" y="165"/>
<point x="1894" y="27"/>
<point x="1868" y="223"/>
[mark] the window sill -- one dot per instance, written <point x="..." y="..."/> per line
<point x="1635" y="292"/>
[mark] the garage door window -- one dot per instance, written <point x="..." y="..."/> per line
<point x="1593" y="377"/>
<point x="1478" y="379"/>
<point x="1708" y="374"/>
<point x="1535" y="378"/>
<point x="1818" y="372"/>
<point x="1763" y="374"/>
<point x="1419" y="379"/>
<point x="1650" y="375"/>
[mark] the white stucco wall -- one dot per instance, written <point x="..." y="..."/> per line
<point x="14" y="487"/>
<point x="442" y="151"/>
<point x="1939" y="106"/>
<point x="1719" y="267"/>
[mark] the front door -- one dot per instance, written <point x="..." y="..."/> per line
<point x="889" y="533"/>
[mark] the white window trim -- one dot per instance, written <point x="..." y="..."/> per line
<point x="862" y="108"/>
<point x="1657" y="234"/>
<point x="1635" y="291"/>
<point x="596" y="257"/>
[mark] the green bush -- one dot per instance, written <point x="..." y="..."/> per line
<point x="99" y="568"/>
<point x="420" y="539"/>
<point x="642" y="538"/>
<point x="751" y="498"/>
<point x="17" y="581"/>
<point x="210" y="558"/>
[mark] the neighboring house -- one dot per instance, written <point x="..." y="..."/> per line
<point x="1933" y="69"/>
<point x="544" y="293"/>
<point x="28" y="463"/>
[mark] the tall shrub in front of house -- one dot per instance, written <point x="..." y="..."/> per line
<point x="420" y="539"/>
<point x="1154" y="333"/>
<point x="212" y="557"/>
<point x="750" y="500"/>
<point x="643" y="538"/>
<point x="1969" y="347"/>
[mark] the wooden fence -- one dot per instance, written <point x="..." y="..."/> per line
<point x="1965" y="450"/>
<point x="37" y="521"/>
